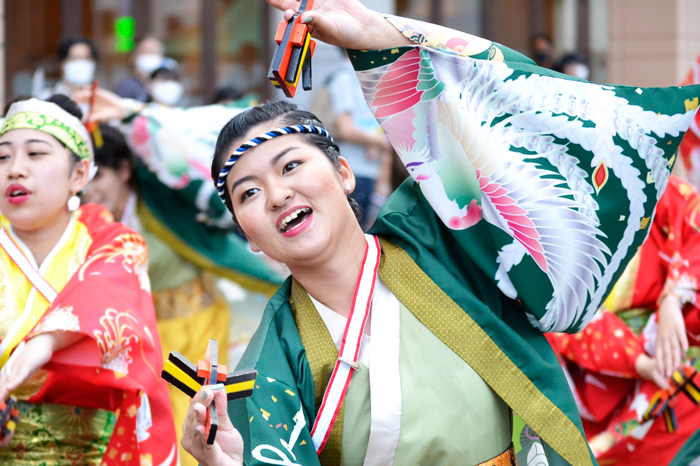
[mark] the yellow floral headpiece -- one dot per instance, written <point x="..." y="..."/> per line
<point x="51" y="119"/>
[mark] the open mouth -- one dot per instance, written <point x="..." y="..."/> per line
<point x="294" y="219"/>
<point x="18" y="193"/>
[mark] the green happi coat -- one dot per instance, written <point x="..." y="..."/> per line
<point x="530" y="193"/>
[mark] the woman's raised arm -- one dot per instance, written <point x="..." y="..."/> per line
<point x="345" y="23"/>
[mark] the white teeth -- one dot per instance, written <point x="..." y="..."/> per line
<point x="292" y="216"/>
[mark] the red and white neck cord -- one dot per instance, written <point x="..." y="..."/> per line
<point x="350" y="348"/>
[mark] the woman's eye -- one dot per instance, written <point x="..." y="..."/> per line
<point x="36" y="152"/>
<point x="290" y="166"/>
<point x="248" y="193"/>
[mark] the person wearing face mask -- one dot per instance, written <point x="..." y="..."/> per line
<point x="147" y="57"/>
<point x="574" y="64"/>
<point x="165" y="87"/>
<point x="78" y="57"/>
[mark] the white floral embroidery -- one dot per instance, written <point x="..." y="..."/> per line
<point x="59" y="319"/>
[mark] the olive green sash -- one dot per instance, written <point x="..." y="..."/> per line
<point x="454" y="327"/>
<point x="322" y="355"/>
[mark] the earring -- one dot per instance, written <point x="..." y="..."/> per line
<point x="347" y="187"/>
<point x="73" y="203"/>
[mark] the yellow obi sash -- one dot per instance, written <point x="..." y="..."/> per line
<point x="20" y="301"/>
<point x="59" y="435"/>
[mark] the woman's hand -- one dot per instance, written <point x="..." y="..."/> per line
<point x="672" y="341"/>
<point x="30" y="357"/>
<point x="107" y="105"/>
<point x="345" y="23"/>
<point x="227" y="449"/>
<point x="648" y="370"/>
<point x="26" y="360"/>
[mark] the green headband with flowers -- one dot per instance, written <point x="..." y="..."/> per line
<point x="51" y="119"/>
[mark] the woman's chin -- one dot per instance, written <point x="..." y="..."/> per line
<point x="302" y="248"/>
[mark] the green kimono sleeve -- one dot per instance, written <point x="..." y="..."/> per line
<point x="275" y="422"/>
<point x="178" y="201"/>
<point x="547" y="182"/>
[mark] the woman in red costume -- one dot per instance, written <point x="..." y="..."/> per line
<point x="78" y="341"/>
<point x="624" y="356"/>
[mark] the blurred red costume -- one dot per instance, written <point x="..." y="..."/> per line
<point x="600" y="360"/>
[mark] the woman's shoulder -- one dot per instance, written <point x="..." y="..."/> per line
<point x="102" y="227"/>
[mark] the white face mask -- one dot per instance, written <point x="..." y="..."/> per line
<point x="147" y="63"/>
<point x="167" y="92"/>
<point x="79" y="72"/>
<point x="579" y="70"/>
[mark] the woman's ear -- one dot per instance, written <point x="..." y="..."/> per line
<point x="80" y="175"/>
<point x="347" y="177"/>
<point x="124" y="171"/>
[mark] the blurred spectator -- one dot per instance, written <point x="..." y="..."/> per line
<point x="78" y="57"/>
<point x="357" y="133"/>
<point x="542" y="50"/>
<point x="226" y="94"/>
<point x="146" y="58"/>
<point x="165" y="87"/>
<point x="246" y="74"/>
<point x="574" y="64"/>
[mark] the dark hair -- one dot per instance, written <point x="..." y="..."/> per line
<point x="71" y="107"/>
<point x="66" y="44"/>
<point x="286" y="114"/>
<point x="114" y="151"/>
<point x="226" y="94"/>
<point x="163" y="72"/>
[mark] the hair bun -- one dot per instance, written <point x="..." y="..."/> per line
<point x="66" y="104"/>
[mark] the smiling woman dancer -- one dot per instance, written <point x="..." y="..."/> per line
<point x="529" y="191"/>
<point x="78" y="341"/>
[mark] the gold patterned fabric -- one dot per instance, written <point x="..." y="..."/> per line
<point x="463" y="335"/>
<point x="58" y="435"/>
<point x="322" y="355"/>
<point x="186" y="299"/>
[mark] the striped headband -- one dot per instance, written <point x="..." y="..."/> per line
<point x="221" y="182"/>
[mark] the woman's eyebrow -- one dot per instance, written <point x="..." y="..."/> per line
<point x="282" y="154"/>
<point x="32" y="141"/>
<point x="274" y="160"/>
<point x="241" y="181"/>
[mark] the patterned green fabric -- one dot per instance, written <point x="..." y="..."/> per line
<point x="689" y="454"/>
<point x="49" y="125"/>
<point x="177" y="199"/>
<point x="59" y="435"/>
<point x="549" y="181"/>
<point x="531" y="191"/>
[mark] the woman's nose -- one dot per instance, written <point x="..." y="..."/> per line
<point x="17" y="167"/>
<point x="279" y="194"/>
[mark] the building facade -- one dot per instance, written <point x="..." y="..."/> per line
<point x="228" y="42"/>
